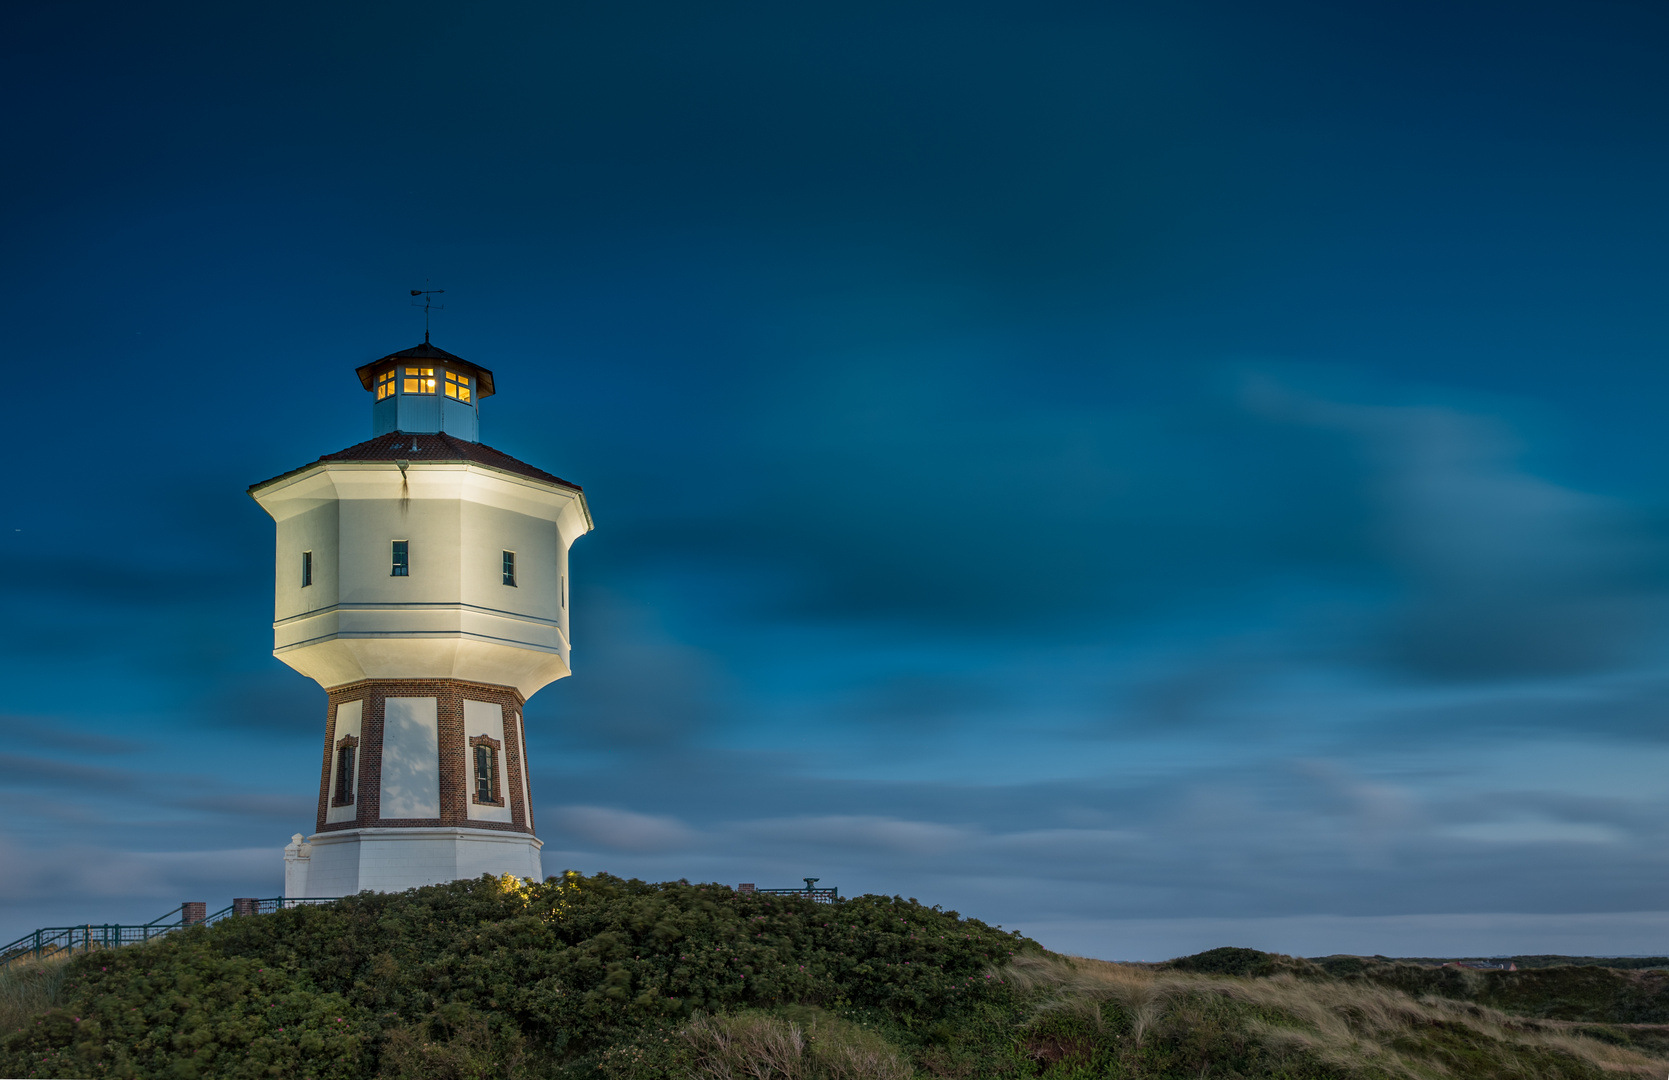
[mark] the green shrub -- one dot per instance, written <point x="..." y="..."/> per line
<point x="1246" y="963"/>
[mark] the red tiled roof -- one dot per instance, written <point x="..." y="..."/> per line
<point x="432" y="447"/>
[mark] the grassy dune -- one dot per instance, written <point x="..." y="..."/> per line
<point x="1160" y="1020"/>
<point x="624" y="980"/>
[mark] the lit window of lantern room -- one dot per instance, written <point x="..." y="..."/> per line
<point x="419" y="381"/>
<point x="457" y="386"/>
<point x="385" y="384"/>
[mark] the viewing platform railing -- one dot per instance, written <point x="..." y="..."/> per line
<point x="52" y="941"/>
<point x="810" y="892"/>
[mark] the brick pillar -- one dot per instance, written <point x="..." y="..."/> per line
<point x="193" y="912"/>
<point x="246" y="905"/>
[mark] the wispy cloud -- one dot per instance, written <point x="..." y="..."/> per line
<point x="876" y="834"/>
<point x="619" y="830"/>
<point x="1508" y="574"/>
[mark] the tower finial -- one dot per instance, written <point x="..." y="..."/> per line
<point x="428" y="296"/>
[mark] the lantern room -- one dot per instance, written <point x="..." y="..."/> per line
<point x="425" y="389"/>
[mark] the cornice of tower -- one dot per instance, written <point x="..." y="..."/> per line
<point x="427" y="448"/>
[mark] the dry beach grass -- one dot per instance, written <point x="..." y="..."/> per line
<point x="1352" y="1026"/>
<point x="28" y="987"/>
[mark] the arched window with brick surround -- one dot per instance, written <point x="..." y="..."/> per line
<point x="488" y="785"/>
<point x="347" y="752"/>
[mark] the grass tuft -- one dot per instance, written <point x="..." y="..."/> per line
<point x="29" y="987"/>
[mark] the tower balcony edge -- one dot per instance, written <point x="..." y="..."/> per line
<point x="392" y="860"/>
<point x="340" y="659"/>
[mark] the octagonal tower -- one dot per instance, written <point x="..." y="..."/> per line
<point x="422" y="580"/>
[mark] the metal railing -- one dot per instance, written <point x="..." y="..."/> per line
<point x="254" y="906"/>
<point x="53" y="941"/>
<point x="810" y="892"/>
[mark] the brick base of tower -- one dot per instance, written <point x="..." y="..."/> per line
<point x="423" y="781"/>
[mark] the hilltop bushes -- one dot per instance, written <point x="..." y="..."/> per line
<point x="622" y="980"/>
<point x="487" y="977"/>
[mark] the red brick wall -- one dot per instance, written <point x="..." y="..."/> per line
<point x="449" y="695"/>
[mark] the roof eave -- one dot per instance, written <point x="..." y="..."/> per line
<point x="561" y="485"/>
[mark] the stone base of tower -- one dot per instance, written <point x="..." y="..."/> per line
<point x="348" y="861"/>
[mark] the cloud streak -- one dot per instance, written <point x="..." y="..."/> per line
<point x="1508" y="575"/>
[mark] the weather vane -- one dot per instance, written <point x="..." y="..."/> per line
<point x="428" y="296"/>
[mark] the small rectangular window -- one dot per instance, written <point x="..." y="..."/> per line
<point x="385" y="384"/>
<point x="306" y="569"/>
<point x="402" y="560"/>
<point x="457" y="386"/>
<point x="509" y="568"/>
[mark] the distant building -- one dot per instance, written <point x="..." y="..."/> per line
<point x="422" y="580"/>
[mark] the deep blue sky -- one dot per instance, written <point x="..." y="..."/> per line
<point x="1153" y="475"/>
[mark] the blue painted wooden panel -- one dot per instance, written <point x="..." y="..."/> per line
<point x="459" y="418"/>
<point x="384" y="416"/>
<point x="419" y="412"/>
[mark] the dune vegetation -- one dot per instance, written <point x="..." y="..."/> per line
<point x="623" y="980"/>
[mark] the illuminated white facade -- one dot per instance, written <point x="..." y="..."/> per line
<point x="451" y="615"/>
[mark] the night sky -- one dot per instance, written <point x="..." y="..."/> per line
<point x="1155" y="476"/>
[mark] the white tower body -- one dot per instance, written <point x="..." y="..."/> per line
<point x="422" y="580"/>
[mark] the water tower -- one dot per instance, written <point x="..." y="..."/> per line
<point x="422" y="580"/>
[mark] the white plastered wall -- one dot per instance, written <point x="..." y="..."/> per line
<point x="452" y="617"/>
<point x="487" y="532"/>
<point x="410" y="758"/>
<point x="486" y="718"/>
<point x="429" y="527"/>
<point x="389" y="860"/>
<point x="316" y="528"/>
<point x="348" y="718"/>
